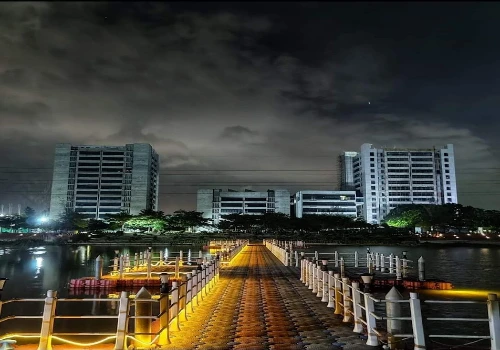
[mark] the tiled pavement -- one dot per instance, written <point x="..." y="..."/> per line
<point x="260" y="304"/>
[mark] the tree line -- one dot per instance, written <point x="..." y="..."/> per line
<point x="443" y="218"/>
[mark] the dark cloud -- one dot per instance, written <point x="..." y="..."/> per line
<point x="228" y="87"/>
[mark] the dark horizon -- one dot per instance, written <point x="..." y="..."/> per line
<point x="248" y="95"/>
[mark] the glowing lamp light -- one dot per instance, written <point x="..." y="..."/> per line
<point x="44" y="219"/>
<point x="2" y="282"/>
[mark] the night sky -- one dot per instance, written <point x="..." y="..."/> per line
<point x="251" y="95"/>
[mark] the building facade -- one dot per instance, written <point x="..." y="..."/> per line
<point x="215" y="203"/>
<point x="388" y="177"/>
<point x="325" y="203"/>
<point x="100" y="180"/>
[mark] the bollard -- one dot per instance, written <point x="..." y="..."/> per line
<point x="358" y="311"/>
<point x="122" y="324"/>
<point x="398" y="268"/>
<point x="331" y="290"/>
<point x="164" y="283"/>
<point x="338" y="295"/>
<point x="356" y="259"/>
<point x="393" y="309"/>
<point x="324" y="265"/>
<point x="143" y="307"/>
<point x="494" y="320"/>
<point x="99" y="262"/>
<point x="346" y="291"/>
<point x="416" y="322"/>
<point x="421" y="269"/>
<point x="49" y="310"/>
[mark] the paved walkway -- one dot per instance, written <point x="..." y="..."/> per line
<point x="261" y="304"/>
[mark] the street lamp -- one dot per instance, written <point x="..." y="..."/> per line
<point x="44" y="219"/>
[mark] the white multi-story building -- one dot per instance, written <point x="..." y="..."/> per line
<point x="214" y="204"/>
<point x="388" y="177"/>
<point x="325" y="203"/>
<point x="100" y="180"/>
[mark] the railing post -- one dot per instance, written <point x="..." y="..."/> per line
<point x="121" y="327"/>
<point x="296" y="256"/>
<point x="194" y="288"/>
<point x="346" y="291"/>
<point x="160" y="260"/>
<point x="382" y="263"/>
<point x="319" y="287"/>
<point x="421" y="269"/>
<point x="324" y="287"/>
<point x="302" y="270"/>
<point x="398" y="268"/>
<point x="174" y="302"/>
<point x="148" y="261"/>
<point x="136" y="260"/>
<point x="416" y="322"/>
<point x="342" y="268"/>
<point x="99" y="262"/>
<point x="393" y="309"/>
<point x="164" y="337"/>
<point x="356" y="305"/>
<point x="338" y="294"/>
<point x="372" y="339"/>
<point x="391" y="263"/>
<point x="336" y="258"/>
<point x="49" y="311"/>
<point x="143" y="307"/>
<point x="494" y="321"/>
<point x="331" y="290"/>
<point x="356" y="259"/>
<point x="377" y="262"/>
<point x="121" y="266"/>
<point x="189" y="292"/>
<point x="314" y="286"/>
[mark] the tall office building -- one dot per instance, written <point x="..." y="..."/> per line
<point x="216" y="203"/>
<point x="387" y="177"/>
<point x="100" y="180"/>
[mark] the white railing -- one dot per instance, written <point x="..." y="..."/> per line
<point x="173" y="303"/>
<point x="393" y="264"/>
<point x="366" y="312"/>
<point x="142" y="263"/>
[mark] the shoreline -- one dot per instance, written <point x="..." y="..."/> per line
<point x="37" y="243"/>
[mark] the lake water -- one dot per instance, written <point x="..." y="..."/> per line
<point x="32" y="271"/>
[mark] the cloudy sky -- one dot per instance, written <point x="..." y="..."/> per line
<point x="253" y="95"/>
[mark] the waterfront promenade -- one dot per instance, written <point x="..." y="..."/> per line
<point x="260" y="304"/>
